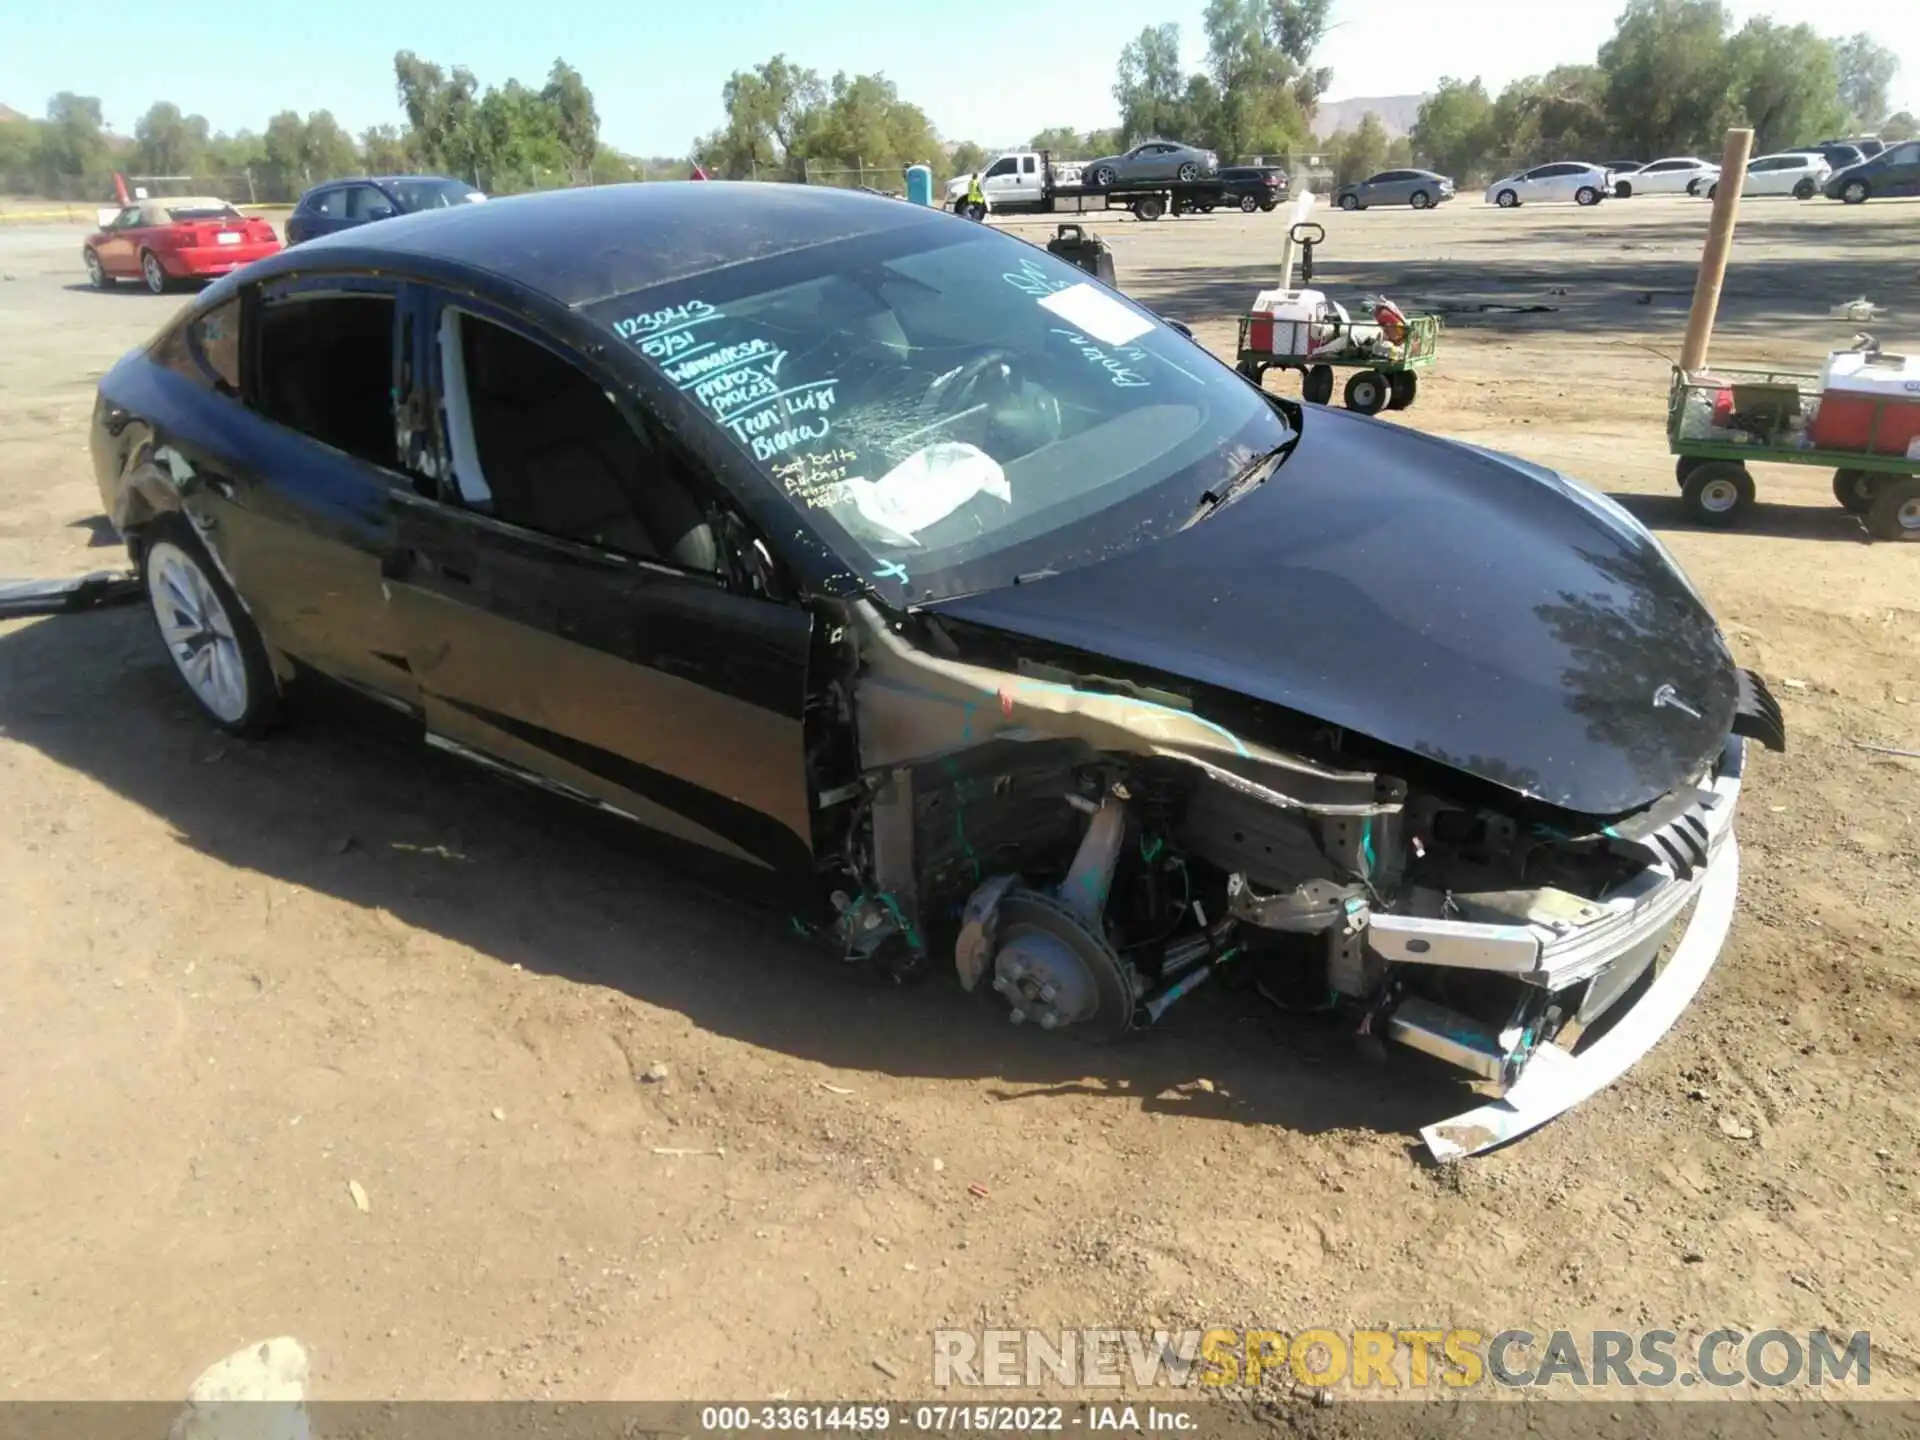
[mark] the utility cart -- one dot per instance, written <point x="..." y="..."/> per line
<point x="1720" y="423"/>
<point x="1289" y="329"/>
<point x="1386" y="373"/>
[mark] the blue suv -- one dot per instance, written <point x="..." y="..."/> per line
<point x="343" y="204"/>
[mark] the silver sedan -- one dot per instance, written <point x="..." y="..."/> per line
<point x="1153" y="162"/>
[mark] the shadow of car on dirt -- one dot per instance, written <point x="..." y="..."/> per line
<point x="352" y="806"/>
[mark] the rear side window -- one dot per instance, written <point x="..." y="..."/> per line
<point x="323" y="365"/>
<point x="330" y="203"/>
<point x="206" y="349"/>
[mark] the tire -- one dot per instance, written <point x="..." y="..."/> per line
<point x="1253" y="372"/>
<point x="97" y="273"/>
<point x="1856" y="192"/>
<point x="1896" y="512"/>
<point x="215" y="649"/>
<point x="1856" y="490"/>
<point x="1685" y="466"/>
<point x="1402" y="386"/>
<point x="1805" y="190"/>
<point x="1693" y="187"/>
<point x="1623" y="190"/>
<point x="1507" y="200"/>
<point x="1420" y="200"/>
<point x="1586" y="195"/>
<point x="1713" y="192"/>
<point x="1267" y="207"/>
<point x="1104" y="178"/>
<point x="1367" y="392"/>
<point x="1349" y="202"/>
<point x="1187" y="173"/>
<point x="976" y="212"/>
<point x="1316" y="385"/>
<point x="1718" y="493"/>
<point x="1248" y="204"/>
<point x="1151" y="208"/>
<point x="153" y="272"/>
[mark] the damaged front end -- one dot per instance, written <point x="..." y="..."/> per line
<point x="1095" y="850"/>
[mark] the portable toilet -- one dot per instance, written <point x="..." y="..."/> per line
<point x="920" y="184"/>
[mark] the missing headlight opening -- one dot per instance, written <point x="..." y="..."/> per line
<point x="1090" y="850"/>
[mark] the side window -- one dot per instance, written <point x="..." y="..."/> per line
<point x="323" y="365"/>
<point x="366" y="203"/>
<point x="126" y="219"/>
<point x="1026" y="164"/>
<point x="538" y="443"/>
<point x="330" y="203"/>
<point x="1003" y="166"/>
<point x="1904" y="155"/>
<point x="1661" y="166"/>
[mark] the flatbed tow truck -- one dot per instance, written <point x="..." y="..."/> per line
<point x="1032" y="182"/>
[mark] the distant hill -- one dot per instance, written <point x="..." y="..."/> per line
<point x="1396" y="112"/>
<point x="8" y="114"/>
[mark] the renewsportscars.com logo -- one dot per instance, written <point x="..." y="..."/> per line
<point x="1410" y="1359"/>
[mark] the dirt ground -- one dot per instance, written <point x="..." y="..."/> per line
<point x="236" y="978"/>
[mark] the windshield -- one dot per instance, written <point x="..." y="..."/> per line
<point x="432" y="194"/>
<point x="954" y="409"/>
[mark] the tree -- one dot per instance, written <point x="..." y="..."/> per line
<point x="1668" y="86"/>
<point x="19" y="145"/>
<point x="1900" y="126"/>
<point x="576" y="122"/>
<point x="1253" y="107"/>
<point x="1361" y="153"/>
<point x="169" y="143"/>
<point x="1298" y="27"/>
<point x="866" y="123"/>
<point x="1788" y="84"/>
<point x="73" y="142"/>
<point x="1149" y="87"/>
<point x="1866" y="70"/>
<point x="967" y="157"/>
<point x="1453" y="132"/>
<point x="440" y="107"/>
<point x="384" y="150"/>
<point x="771" y="113"/>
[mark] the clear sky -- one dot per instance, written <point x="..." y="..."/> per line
<point x="994" y="71"/>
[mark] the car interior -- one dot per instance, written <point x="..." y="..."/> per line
<point x="557" y="456"/>
<point x="324" y="366"/>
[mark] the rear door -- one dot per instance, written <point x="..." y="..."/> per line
<point x="564" y="610"/>
<point x="329" y="387"/>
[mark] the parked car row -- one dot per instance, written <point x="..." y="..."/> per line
<point x="202" y="237"/>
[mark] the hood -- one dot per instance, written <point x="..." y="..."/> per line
<point x="1489" y="614"/>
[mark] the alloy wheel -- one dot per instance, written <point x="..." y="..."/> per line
<point x="197" y="631"/>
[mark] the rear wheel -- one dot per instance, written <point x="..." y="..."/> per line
<point x="1151" y="208"/>
<point x="1248" y="204"/>
<point x="1316" y="385"/>
<point x="1805" y="189"/>
<point x="1718" y="492"/>
<point x="97" y="273"/>
<point x="1103" y="177"/>
<point x="153" y="272"/>
<point x="1188" y="173"/>
<point x="1349" y="202"/>
<point x="1506" y="199"/>
<point x="209" y="637"/>
<point x="1586" y="195"/>
<point x="1896" y="512"/>
<point x="1367" y="392"/>
<point x="1713" y="192"/>
<point x="1420" y="200"/>
<point x="1685" y="466"/>
<point x="1855" y="192"/>
<point x="1623" y="189"/>
<point x="1856" y="490"/>
<point x="1402" y="386"/>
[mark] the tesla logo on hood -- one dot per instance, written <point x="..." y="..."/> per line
<point x="1667" y="697"/>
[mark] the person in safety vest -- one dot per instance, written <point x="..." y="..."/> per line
<point x="976" y="197"/>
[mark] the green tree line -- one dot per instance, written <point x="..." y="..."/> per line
<point x="1672" y="79"/>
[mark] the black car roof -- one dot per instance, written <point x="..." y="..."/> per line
<point x="580" y="246"/>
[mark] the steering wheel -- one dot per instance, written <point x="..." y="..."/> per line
<point x="959" y="383"/>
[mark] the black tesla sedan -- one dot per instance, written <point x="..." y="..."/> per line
<point x="952" y="590"/>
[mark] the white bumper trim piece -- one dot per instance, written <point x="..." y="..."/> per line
<point x="1554" y="1081"/>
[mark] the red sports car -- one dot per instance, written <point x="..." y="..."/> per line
<point x="178" y="237"/>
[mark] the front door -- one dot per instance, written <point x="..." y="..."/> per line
<point x="1902" y="173"/>
<point x="563" y="614"/>
<point x="118" y="249"/>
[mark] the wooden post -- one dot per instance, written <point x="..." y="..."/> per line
<point x="1713" y="259"/>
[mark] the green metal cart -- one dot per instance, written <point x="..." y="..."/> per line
<point x="1765" y="418"/>
<point x="1387" y="379"/>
